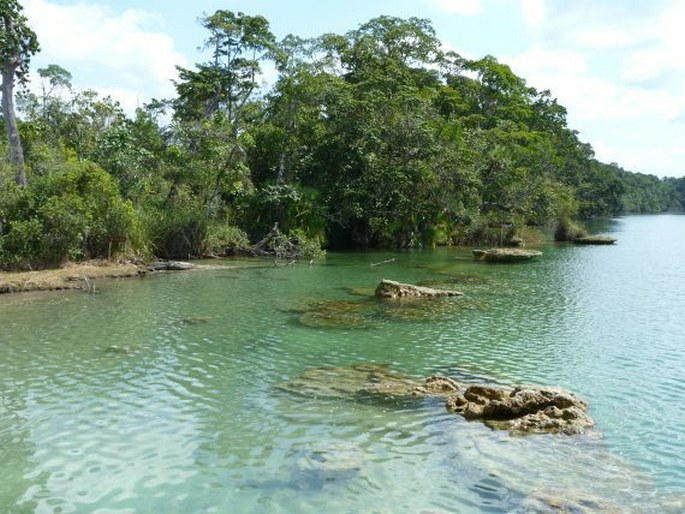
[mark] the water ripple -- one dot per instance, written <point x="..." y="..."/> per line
<point x="160" y="394"/>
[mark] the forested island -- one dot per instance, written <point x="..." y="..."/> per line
<point x="373" y="138"/>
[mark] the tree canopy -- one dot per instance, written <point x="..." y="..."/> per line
<point x="375" y="137"/>
<point x="18" y="43"/>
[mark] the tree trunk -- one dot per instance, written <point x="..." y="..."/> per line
<point x="16" y="152"/>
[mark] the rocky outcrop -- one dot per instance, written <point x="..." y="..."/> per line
<point x="393" y="290"/>
<point x="521" y="409"/>
<point x="594" y="240"/>
<point x="524" y="409"/>
<point x="505" y="254"/>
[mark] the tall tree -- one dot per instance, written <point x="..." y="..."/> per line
<point x="18" y="43"/>
<point x="227" y="82"/>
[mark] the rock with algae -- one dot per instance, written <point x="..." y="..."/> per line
<point x="391" y="289"/>
<point x="350" y="382"/>
<point x="594" y="240"/>
<point x="506" y="254"/>
<point x="336" y="314"/>
<point x="520" y="409"/>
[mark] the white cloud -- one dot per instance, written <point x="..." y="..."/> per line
<point x="619" y="73"/>
<point x="101" y="47"/>
<point x="534" y="12"/>
<point x="462" y="7"/>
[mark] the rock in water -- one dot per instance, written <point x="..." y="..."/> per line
<point x="505" y="254"/>
<point x="351" y="382"/>
<point x="393" y="290"/>
<point x="594" y="240"/>
<point x="520" y="409"/>
<point x="523" y="409"/>
<point x="170" y="266"/>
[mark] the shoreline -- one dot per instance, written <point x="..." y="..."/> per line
<point x="71" y="276"/>
<point x="79" y="276"/>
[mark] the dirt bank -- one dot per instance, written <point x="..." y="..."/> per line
<point x="70" y="276"/>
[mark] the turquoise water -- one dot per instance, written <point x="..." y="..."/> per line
<point x="160" y="394"/>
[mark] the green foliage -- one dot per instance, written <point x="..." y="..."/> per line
<point x="226" y="83"/>
<point x="177" y="232"/>
<point x="569" y="230"/>
<point x="305" y="246"/>
<point x="291" y="207"/>
<point x="647" y="194"/>
<point x="375" y="137"/>
<point x="69" y="215"/>
<point x="18" y="42"/>
<point x="224" y="240"/>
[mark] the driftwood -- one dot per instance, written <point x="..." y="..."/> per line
<point x="276" y="244"/>
<point x="386" y="261"/>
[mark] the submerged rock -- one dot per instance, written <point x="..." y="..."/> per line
<point x="542" y="501"/>
<point x="122" y="349"/>
<point x="594" y="240"/>
<point x="325" y="463"/>
<point x="523" y="409"/>
<point x="506" y="254"/>
<point x="336" y="314"/>
<point x="196" y="320"/>
<point x="351" y="382"/>
<point x="364" y="313"/>
<point x="391" y="289"/>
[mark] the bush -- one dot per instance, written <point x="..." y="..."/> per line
<point x="223" y="240"/>
<point x="306" y="247"/>
<point x="292" y="207"/>
<point x="177" y="232"/>
<point x="74" y="214"/>
<point x="568" y="230"/>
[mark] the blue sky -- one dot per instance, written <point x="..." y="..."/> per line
<point x="615" y="65"/>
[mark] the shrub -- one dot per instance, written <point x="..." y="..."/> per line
<point x="223" y="240"/>
<point x="76" y="213"/>
<point x="292" y="207"/>
<point x="568" y="230"/>
<point x="177" y="232"/>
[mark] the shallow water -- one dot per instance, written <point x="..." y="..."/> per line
<point x="160" y="394"/>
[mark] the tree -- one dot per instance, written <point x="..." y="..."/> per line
<point x="53" y="78"/>
<point x="18" y="43"/>
<point x="226" y="83"/>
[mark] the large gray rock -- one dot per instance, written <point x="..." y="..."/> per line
<point x="393" y="290"/>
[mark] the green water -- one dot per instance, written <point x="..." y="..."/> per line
<point x="159" y="395"/>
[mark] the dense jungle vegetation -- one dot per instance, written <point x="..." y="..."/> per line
<point x="375" y="137"/>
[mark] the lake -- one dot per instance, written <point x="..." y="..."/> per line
<point x="162" y="394"/>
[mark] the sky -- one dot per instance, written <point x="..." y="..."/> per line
<point x="616" y="65"/>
